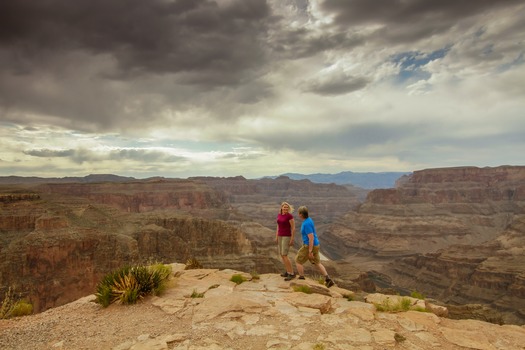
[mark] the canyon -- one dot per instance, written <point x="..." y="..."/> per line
<point x="454" y="234"/>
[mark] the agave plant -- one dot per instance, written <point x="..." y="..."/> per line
<point x="130" y="284"/>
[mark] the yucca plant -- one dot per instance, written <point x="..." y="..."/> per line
<point x="129" y="284"/>
<point x="127" y="290"/>
<point x="160" y="274"/>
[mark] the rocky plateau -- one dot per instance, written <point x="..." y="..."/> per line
<point x="263" y="312"/>
<point x="454" y="234"/>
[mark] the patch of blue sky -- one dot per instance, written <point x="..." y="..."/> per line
<point x="518" y="61"/>
<point x="412" y="64"/>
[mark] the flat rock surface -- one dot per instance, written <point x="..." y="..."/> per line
<point x="263" y="313"/>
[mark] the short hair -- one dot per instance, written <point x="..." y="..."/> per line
<point x="289" y="206"/>
<point x="303" y="210"/>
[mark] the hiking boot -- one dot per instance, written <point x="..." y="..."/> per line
<point x="301" y="277"/>
<point x="290" y="277"/>
<point x="328" y="283"/>
<point x="284" y="274"/>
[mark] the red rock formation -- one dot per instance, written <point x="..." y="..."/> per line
<point x="452" y="229"/>
<point x="140" y="196"/>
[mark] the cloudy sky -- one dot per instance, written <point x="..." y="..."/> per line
<point x="180" y="88"/>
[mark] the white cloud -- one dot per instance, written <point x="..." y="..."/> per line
<point x="253" y="88"/>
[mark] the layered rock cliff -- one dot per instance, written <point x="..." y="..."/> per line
<point x="490" y="274"/>
<point x="456" y="231"/>
<point x="445" y="232"/>
<point x="260" y="200"/>
<point x="143" y="196"/>
<point x="57" y="240"/>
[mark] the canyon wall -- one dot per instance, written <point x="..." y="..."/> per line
<point x="58" y="240"/>
<point x="444" y="232"/>
<point x="454" y="234"/>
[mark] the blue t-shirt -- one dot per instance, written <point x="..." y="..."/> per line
<point x="308" y="227"/>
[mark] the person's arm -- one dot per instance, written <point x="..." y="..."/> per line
<point x="292" y="226"/>
<point x="277" y="233"/>
<point x="310" y="245"/>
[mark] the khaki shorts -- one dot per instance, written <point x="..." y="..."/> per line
<point x="283" y="245"/>
<point x="302" y="255"/>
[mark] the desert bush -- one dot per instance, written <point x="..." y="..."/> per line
<point x="417" y="295"/>
<point x="303" y="289"/>
<point x="160" y="274"/>
<point x="192" y="264"/>
<point x="196" y="294"/>
<point x="399" y="338"/>
<point x="388" y="306"/>
<point x="13" y="306"/>
<point x="22" y="308"/>
<point x="237" y="278"/>
<point x="403" y="304"/>
<point x="129" y="284"/>
<point x="348" y="297"/>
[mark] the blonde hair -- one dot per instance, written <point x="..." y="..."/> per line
<point x="289" y="206"/>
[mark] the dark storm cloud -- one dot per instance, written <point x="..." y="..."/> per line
<point x="48" y="153"/>
<point x="126" y="64"/>
<point x="346" y="140"/>
<point x="408" y="20"/>
<point x="143" y="156"/>
<point x="338" y="85"/>
<point x="143" y="36"/>
<point x="80" y="155"/>
<point x="302" y="43"/>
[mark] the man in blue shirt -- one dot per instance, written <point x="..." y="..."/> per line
<point x="310" y="249"/>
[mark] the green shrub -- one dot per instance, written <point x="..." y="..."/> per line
<point x="192" y="264"/>
<point x="319" y="346"/>
<point x="13" y="306"/>
<point x="195" y="294"/>
<point x="237" y="278"/>
<point x="399" y="338"/>
<point x="403" y="304"/>
<point x="22" y="308"/>
<point x="303" y="289"/>
<point x="417" y="295"/>
<point x="129" y="284"/>
<point x="348" y="297"/>
<point x="255" y="275"/>
<point x="160" y="274"/>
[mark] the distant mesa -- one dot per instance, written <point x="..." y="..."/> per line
<point x="367" y="180"/>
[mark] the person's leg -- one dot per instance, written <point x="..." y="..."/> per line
<point x="300" y="269"/>
<point x="284" y="247"/>
<point x="287" y="264"/>
<point x="300" y="259"/>
<point x="321" y="268"/>
<point x="327" y="280"/>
